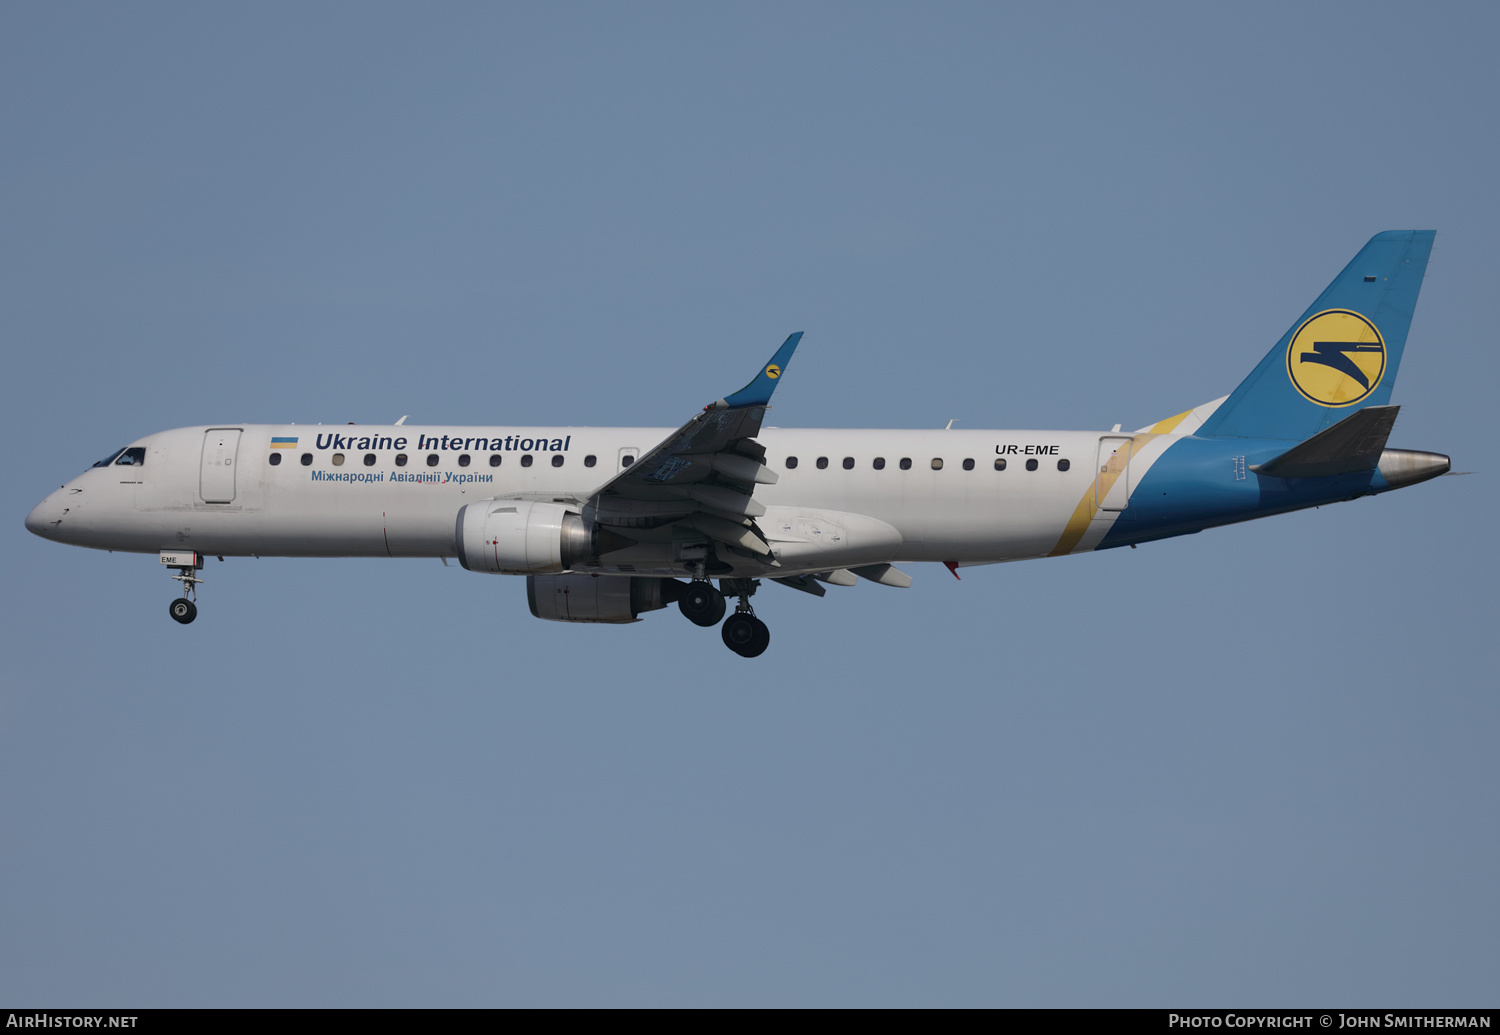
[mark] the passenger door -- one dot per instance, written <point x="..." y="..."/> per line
<point x="216" y="474"/>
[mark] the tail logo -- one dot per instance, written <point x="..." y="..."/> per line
<point x="1336" y="358"/>
<point x="773" y="371"/>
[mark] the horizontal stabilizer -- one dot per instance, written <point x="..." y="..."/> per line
<point x="1353" y="444"/>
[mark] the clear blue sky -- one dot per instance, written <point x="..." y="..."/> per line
<point x="1251" y="767"/>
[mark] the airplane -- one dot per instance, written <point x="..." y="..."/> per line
<point x="609" y="523"/>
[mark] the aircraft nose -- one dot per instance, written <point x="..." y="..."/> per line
<point x="43" y="517"/>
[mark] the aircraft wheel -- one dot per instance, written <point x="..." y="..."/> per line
<point x="701" y="604"/>
<point x="739" y="633"/>
<point x="183" y="610"/>
<point x="746" y="635"/>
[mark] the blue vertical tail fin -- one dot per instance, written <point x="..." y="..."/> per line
<point x="1340" y="355"/>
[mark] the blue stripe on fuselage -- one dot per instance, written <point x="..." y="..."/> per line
<point x="1199" y="483"/>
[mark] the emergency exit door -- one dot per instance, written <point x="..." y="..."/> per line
<point x="1112" y="473"/>
<point x="216" y="474"/>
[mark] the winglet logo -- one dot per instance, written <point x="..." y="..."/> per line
<point x="1336" y="358"/>
<point x="773" y="371"/>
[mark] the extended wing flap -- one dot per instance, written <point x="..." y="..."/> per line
<point x="1353" y="444"/>
<point x="805" y="583"/>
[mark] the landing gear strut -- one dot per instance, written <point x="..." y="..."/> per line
<point x="743" y="633"/>
<point x="184" y="609"/>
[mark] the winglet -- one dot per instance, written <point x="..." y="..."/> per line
<point x="758" y="392"/>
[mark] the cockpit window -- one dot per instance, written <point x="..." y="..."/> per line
<point x="135" y="456"/>
<point x="109" y="459"/>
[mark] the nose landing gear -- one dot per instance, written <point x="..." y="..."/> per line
<point x="184" y="609"/>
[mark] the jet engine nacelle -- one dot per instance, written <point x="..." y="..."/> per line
<point x="519" y="537"/>
<point x="598" y="598"/>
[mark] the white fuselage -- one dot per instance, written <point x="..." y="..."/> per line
<point x="389" y="491"/>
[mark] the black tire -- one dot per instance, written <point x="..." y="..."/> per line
<point x="719" y="608"/>
<point x="701" y="604"/>
<point x="182" y="610"/>
<point x="762" y="639"/>
<point x="738" y="632"/>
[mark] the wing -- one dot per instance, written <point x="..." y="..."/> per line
<point x="703" y="476"/>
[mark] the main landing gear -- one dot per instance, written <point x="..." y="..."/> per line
<point x="185" y="608"/>
<point x="704" y="605"/>
<point x="745" y="634"/>
<point x="701" y="604"/>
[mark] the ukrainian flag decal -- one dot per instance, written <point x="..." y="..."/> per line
<point x="283" y="443"/>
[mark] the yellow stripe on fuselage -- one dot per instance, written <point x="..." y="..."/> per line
<point x="1164" y="427"/>
<point x="1083" y="514"/>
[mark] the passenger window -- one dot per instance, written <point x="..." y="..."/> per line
<point x="526" y="460"/>
<point x="822" y="463"/>
<point x="494" y="459"/>
<point x="306" y="459"/>
<point x="401" y="459"/>
<point x="1031" y="465"/>
<point x="369" y="459"/>
<point x="791" y="463"/>
<point x="275" y="459"/>
<point x="463" y="460"/>
<point x="878" y="463"/>
<point x="135" y="456"/>
<point x="557" y="459"/>
<point x="338" y="459"/>
<point x="1063" y="465"/>
<point x="848" y="463"/>
<point x="432" y="459"/>
<point x="625" y="461"/>
<point x="590" y="460"/>
<point x="937" y="463"/>
<point x="969" y="464"/>
<point x="1000" y="463"/>
<point x="906" y="463"/>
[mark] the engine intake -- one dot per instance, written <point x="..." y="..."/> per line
<point x="519" y="537"/>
